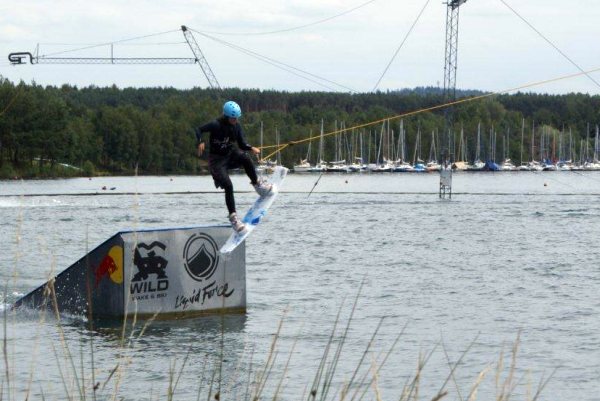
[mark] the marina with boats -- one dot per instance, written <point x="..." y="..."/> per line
<point x="387" y="151"/>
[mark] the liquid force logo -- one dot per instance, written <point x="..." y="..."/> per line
<point x="201" y="256"/>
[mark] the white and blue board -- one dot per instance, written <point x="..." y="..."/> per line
<point x="256" y="213"/>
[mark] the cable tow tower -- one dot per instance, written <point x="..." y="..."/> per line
<point x="200" y="59"/>
<point x="450" y="66"/>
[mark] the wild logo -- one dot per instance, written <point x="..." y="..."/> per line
<point x="149" y="262"/>
<point x="201" y="256"/>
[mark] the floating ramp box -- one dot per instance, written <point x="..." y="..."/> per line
<point x="169" y="272"/>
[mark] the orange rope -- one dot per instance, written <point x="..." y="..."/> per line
<point x="274" y="152"/>
<point x="432" y="108"/>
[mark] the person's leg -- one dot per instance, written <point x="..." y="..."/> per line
<point x="249" y="169"/>
<point x="240" y="158"/>
<point x="218" y="170"/>
<point x="229" y="198"/>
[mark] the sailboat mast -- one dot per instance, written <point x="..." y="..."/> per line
<point x="321" y="145"/>
<point x="532" y="141"/>
<point x="478" y="150"/>
<point x="522" y="140"/>
<point x="596" y="146"/>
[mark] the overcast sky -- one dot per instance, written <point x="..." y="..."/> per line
<point x="497" y="50"/>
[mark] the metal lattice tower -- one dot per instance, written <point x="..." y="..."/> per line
<point x="450" y="66"/>
<point x="212" y="80"/>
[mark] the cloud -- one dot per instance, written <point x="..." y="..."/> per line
<point x="496" y="49"/>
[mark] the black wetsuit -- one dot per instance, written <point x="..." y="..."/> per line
<point x="223" y="155"/>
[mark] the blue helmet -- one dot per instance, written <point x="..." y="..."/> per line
<point x="232" y="110"/>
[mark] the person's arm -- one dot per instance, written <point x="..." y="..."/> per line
<point x="200" y="144"/>
<point x="241" y="140"/>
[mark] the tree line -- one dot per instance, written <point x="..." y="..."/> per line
<point x="66" y="130"/>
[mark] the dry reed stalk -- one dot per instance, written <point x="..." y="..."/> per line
<point x="439" y="396"/>
<point x="8" y="372"/>
<point x="543" y="384"/>
<point x="82" y="369"/>
<point x="39" y="325"/>
<point x="230" y="383"/>
<point x="499" y="368"/>
<point x="202" y="377"/>
<point x="507" y="386"/>
<point x="414" y="384"/>
<point x="451" y="371"/>
<point x="60" y="371"/>
<point x="123" y="360"/>
<point x="212" y="380"/>
<point x="453" y="368"/>
<point x="61" y="332"/>
<point x="171" y="374"/>
<point x="249" y="375"/>
<point x="285" y="368"/>
<point x="420" y="367"/>
<point x="528" y="387"/>
<point x="364" y="354"/>
<point x="333" y="365"/>
<point x="263" y="377"/>
<point x="263" y="384"/>
<point x="480" y="377"/>
<point x="5" y="347"/>
<point x="185" y="360"/>
<point x="389" y="352"/>
<point x="319" y="373"/>
<point x="375" y="381"/>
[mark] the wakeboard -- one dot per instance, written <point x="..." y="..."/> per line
<point x="258" y="210"/>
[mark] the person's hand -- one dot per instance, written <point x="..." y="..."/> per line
<point x="200" y="149"/>
<point x="256" y="151"/>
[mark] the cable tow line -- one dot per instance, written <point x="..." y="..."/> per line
<point x="314" y="186"/>
<point x="432" y="108"/>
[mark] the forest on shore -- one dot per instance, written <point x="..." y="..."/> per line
<point x="69" y="131"/>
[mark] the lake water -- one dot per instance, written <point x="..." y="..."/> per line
<point x="512" y="254"/>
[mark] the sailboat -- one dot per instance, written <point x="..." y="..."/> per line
<point x="387" y="165"/>
<point x="522" y="166"/>
<point x="401" y="165"/>
<point x="477" y="165"/>
<point x="594" y="164"/>
<point x="338" y="165"/>
<point x="418" y="163"/>
<point x="432" y="163"/>
<point x="507" y="164"/>
<point x="304" y="166"/>
<point x="461" y="164"/>
<point x="321" y="165"/>
<point x="264" y="166"/>
<point x="545" y="157"/>
<point x="533" y="164"/>
<point x="490" y="164"/>
<point x="358" y="165"/>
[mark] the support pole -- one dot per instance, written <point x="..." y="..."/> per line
<point x="450" y="66"/>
